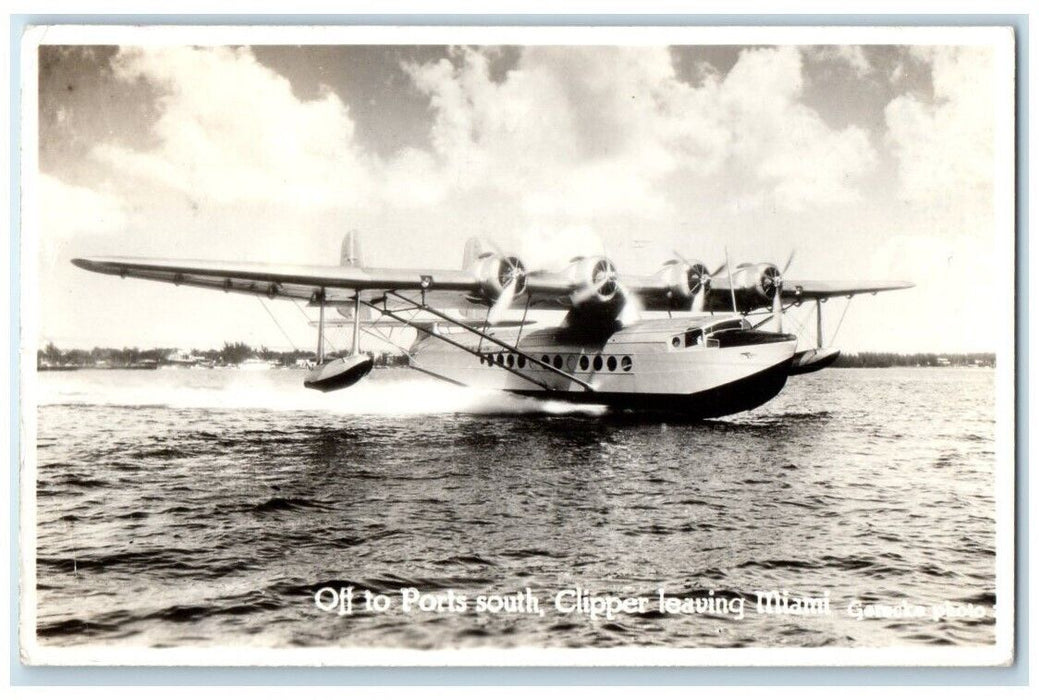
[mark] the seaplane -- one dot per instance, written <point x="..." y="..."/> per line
<point x="686" y="340"/>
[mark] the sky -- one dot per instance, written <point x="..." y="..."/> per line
<point x="867" y="162"/>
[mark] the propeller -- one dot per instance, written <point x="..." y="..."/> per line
<point x="599" y="286"/>
<point x="774" y="278"/>
<point x="511" y="275"/>
<point x="698" y="277"/>
<point x="502" y="304"/>
<point x="777" y="306"/>
<point x="728" y="270"/>
<point x="603" y="282"/>
<point x="631" y="309"/>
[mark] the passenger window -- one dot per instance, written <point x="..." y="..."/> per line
<point x="597" y="363"/>
<point x="611" y="364"/>
<point x="571" y="362"/>
<point x="584" y="362"/>
<point x="676" y="342"/>
<point x="511" y="360"/>
<point x="557" y="362"/>
<point x="521" y="361"/>
<point x="626" y="363"/>
<point x="693" y="338"/>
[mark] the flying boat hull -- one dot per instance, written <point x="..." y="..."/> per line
<point x="649" y="367"/>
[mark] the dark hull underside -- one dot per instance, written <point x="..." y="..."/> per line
<point x="735" y="397"/>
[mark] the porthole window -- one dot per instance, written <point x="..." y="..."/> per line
<point x="571" y="362"/>
<point x="597" y="363"/>
<point x="611" y="364"/>
<point x="676" y="342"/>
<point x="510" y="360"/>
<point x="557" y="362"/>
<point x="626" y="364"/>
<point x="584" y="362"/>
<point x="521" y="361"/>
<point x="501" y="359"/>
<point x="545" y="359"/>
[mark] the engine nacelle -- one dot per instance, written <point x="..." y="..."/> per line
<point x="495" y="272"/>
<point x="756" y="285"/>
<point x="595" y="285"/>
<point x="684" y="280"/>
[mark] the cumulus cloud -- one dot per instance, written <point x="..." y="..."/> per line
<point x="566" y="132"/>
<point x="784" y="145"/>
<point x="847" y="55"/>
<point x="572" y="131"/>
<point x="944" y="145"/>
<point x="67" y="211"/>
<point x="567" y="139"/>
<point x="569" y="133"/>
<point x="231" y="130"/>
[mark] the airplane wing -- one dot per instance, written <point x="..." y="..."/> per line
<point x="653" y="292"/>
<point x="459" y="289"/>
<point x="290" y="281"/>
<point x="817" y="289"/>
<point x="444" y="288"/>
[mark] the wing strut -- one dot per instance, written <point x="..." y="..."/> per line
<point x="321" y="328"/>
<point x="355" y="348"/>
<point x="511" y="348"/>
<point x="449" y="341"/>
<point x="818" y="323"/>
<point x="422" y="306"/>
<point x="414" y="365"/>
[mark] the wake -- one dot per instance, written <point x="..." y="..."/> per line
<point x="282" y="390"/>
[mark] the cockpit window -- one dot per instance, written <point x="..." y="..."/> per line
<point x="734" y="325"/>
<point x="693" y="337"/>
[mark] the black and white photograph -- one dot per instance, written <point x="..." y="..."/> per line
<point x="517" y="346"/>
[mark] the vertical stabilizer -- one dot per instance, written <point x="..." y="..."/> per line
<point x="351" y="251"/>
<point x="474" y="248"/>
<point x="350" y="256"/>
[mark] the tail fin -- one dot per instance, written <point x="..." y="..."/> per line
<point x="351" y="251"/>
<point x="350" y="256"/>
<point x="474" y="248"/>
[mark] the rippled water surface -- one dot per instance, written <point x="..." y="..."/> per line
<point x="194" y="507"/>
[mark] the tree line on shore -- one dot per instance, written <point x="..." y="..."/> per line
<point x="230" y="354"/>
<point x="919" y="359"/>
<point x="237" y="353"/>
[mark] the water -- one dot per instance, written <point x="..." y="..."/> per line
<point x="182" y="507"/>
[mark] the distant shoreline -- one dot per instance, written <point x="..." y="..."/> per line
<point x="52" y="358"/>
<point x="929" y="359"/>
